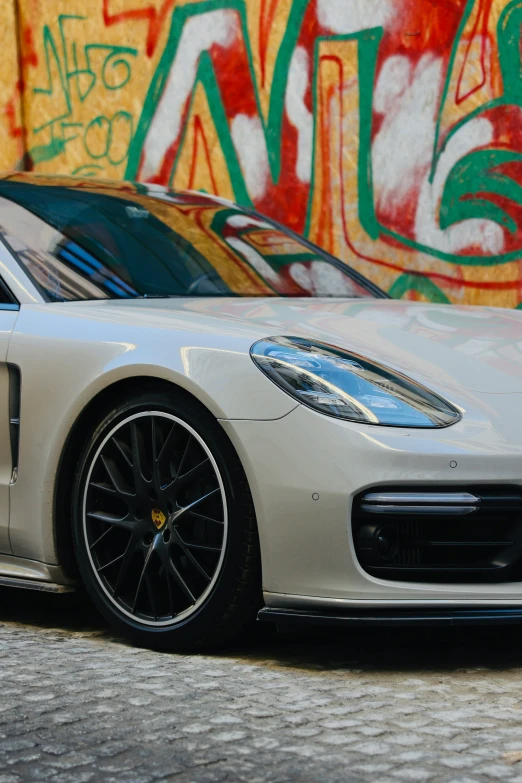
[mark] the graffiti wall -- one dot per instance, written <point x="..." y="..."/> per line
<point x="11" y="143"/>
<point x="387" y="131"/>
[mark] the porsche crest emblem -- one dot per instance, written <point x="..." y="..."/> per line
<point x="158" y="517"/>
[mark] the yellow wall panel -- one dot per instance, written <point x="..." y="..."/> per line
<point x="11" y="133"/>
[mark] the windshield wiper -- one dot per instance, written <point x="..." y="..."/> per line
<point x="158" y="296"/>
<point x="225" y="294"/>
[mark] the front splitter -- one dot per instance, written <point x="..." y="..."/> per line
<point x="286" y="618"/>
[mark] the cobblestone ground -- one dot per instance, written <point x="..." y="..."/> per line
<point x="78" y="705"/>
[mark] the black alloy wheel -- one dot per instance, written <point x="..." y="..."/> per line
<point x="164" y="526"/>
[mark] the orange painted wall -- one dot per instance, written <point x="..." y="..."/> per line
<point x="11" y="135"/>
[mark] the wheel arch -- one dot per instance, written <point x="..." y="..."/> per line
<point x="91" y="413"/>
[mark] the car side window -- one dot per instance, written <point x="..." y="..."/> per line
<point x="97" y="247"/>
<point x="7" y="300"/>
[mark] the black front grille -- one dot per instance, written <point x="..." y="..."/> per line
<point x="440" y="534"/>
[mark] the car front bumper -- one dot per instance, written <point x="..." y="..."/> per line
<point x="305" y="469"/>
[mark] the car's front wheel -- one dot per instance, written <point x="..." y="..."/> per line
<point x="164" y="527"/>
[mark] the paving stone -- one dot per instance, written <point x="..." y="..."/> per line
<point x="413" y="773"/>
<point x="497" y="771"/>
<point x="78" y="705"/>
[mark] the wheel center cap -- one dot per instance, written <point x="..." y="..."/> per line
<point x="158" y="517"/>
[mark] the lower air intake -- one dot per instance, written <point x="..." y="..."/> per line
<point x="440" y="534"/>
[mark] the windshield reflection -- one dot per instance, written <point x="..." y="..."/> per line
<point x="80" y="239"/>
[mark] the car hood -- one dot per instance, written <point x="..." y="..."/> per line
<point x="474" y="348"/>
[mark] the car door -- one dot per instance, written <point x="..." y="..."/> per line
<point x="9" y="414"/>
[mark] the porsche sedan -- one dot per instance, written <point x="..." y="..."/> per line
<point x="206" y="418"/>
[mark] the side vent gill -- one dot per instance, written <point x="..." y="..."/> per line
<point x="15" y="388"/>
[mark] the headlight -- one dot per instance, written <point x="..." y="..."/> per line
<point x="347" y="386"/>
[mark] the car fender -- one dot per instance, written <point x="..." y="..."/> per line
<point x="67" y="358"/>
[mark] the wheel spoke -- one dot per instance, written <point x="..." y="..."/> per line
<point x="121" y="451"/>
<point x="190" y="475"/>
<point x="173" y="572"/>
<point x="153" y="439"/>
<point x="191" y="513"/>
<point x="180" y="581"/>
<point x="167" y="443"/>
<point x="124" y="568"/>
<point x="138" y="457"/>
<point x="206" y="548"/>
<point x="142" y="576"/>
<point x="107" y="565"/>
<point x="177" y="514"/>
<point x="190" y="556"/>
<point x="169" y="592"/>
<point x="110" y="519"/>
<point x="115" y="476"/>
<point x="100" y="538"/>
<point x="156" y="473"/>
<point x="150" y="593"/>
<point x="106" y="489"/>
<point x="183" y="458"/>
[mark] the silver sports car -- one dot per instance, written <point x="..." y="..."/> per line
<point x="205" y="418"/>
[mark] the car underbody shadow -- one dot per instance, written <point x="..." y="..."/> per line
<point x="392" y="649"/>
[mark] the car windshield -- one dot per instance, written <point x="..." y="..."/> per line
<point x="82" y="240"/>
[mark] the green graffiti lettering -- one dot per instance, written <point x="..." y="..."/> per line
<point x="65" y="72"/>
<point x="473" y="176"/>
<point x="97" y="137"/>
<point x="44" y="152"/>
<point x="422" y="285"/>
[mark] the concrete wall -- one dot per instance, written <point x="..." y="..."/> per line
<point x="388" y="131"/>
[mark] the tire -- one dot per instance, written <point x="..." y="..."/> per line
<point x="164" y="528"/>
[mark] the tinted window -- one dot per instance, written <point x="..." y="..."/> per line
<point x="95" y="241"/>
